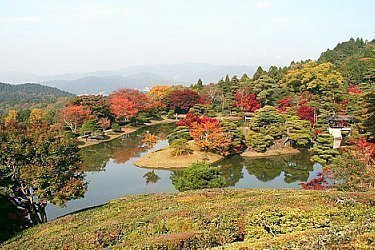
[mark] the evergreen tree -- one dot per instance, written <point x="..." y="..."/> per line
<point x="323" y="149"/>
<point x="299" y="131"/>
<point x="258" y="73"/>
<point x="244" y="78"/>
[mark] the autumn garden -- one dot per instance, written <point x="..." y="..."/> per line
<point x="275" y="111"/>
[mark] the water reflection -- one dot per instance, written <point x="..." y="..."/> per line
<point x="151" y="177"/>
<point x="111" y="173"/>
<point x="291" y="168"/>
<point x="121" y="150"/>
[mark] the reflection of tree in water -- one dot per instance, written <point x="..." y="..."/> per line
<point x="295" y="167"/>
<point x="12" y="219"/>
<point x="151" y="177"/>
<point x="264" y="169"/>
<point x="231" y="170"/>
<point x="122" y="149"/>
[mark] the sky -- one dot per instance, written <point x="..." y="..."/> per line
<point x="53" y="37"/>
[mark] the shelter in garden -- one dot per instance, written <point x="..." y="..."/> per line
<point x="339" y="127"/>
<point x="248" y="116"/>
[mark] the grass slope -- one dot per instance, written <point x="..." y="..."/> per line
<point x="223" y="218"/>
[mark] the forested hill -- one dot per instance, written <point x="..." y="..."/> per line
<point x="28" y="95"/>
<point x="354" y="58"/>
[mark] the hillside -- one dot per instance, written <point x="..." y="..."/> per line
<point x="353" y="58"/>
<point x="235" y="219"/>
<point x="28" y="95"/>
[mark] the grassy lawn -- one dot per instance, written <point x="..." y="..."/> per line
<point x="223" y="218"/>
<point x="163" y="159"/>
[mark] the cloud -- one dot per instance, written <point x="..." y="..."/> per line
<point x="263" y="4"/>
<point x="281" y="19"/>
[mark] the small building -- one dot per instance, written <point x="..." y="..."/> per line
<point x="339" y="127"/>
<point x="248" y="116"/>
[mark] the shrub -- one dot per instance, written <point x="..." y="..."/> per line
<point x="116" y="127"/>
<point x="180" y="132"/>
<point x="180" y="147"/>
<point x="199" y="175"/>
<point x="170" y="114"/>
<point x="257" y="141"/>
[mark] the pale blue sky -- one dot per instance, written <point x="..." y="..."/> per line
<point x="48" y="37"/>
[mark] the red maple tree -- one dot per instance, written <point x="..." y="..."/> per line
<point x="285" y="103"/>
<point x="354" y="89"/>
<point x="73" y="116"/>
<point x="246" y="101"/>
<point x="125" y="103"/>
<point x="182" y="100"/>
<point x="208" y="134"/>
<point x="305" y="112"/>
<point x="189" y="120"/>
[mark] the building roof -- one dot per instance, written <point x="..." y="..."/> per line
<point x="337" y="117"/>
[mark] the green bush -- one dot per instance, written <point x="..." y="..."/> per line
<point x="180" y="147"/>
<point x="180" y="132"/>
<point x="171" y="114"/>
<point x="257" y="141"/>
<point x="199" y="175"/>
<point x="116" y="127"/>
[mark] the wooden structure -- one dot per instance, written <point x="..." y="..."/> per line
<point x="339" y="127"/>
<point x="248" y="116"/>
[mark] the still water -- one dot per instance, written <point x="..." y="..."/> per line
<point x="111" y="173"/>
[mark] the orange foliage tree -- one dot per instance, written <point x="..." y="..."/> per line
<point x="158" y="94"/>
<point x="36" y="116"/>
<point x="125" y="103"/>
<point x="209" y="135"/>
<point x="73" y="116"/>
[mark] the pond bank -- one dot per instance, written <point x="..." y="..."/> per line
<point x="125" y="130"/>
<point x="271" y="152"/>
<point x="163" y="159"/>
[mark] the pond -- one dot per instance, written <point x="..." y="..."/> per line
<point x="111" y="173"/>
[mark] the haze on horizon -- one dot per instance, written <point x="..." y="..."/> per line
<point x="54" y="37"/>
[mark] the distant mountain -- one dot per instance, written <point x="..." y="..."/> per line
<point x="28" y="95"/>
<point x="104" y="85"/>
<point x="132" y="77"/>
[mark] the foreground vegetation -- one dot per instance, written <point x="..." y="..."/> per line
<point x="247" y="219"/>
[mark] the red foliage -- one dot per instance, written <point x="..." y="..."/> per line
<point x="318" y="183"/>
<point x="285" y="103"/>
<point x="182" y="100"/>
<point x="209" y="135"/>
<point x="246" y="101"/>
<point x="306" y="112"/>
<point x="354" y="89"/>
<point x="74" y="115"/>
<point x="128" y="102"/>
<point x="189" y="120"/>
<point x="365" y="149"/>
